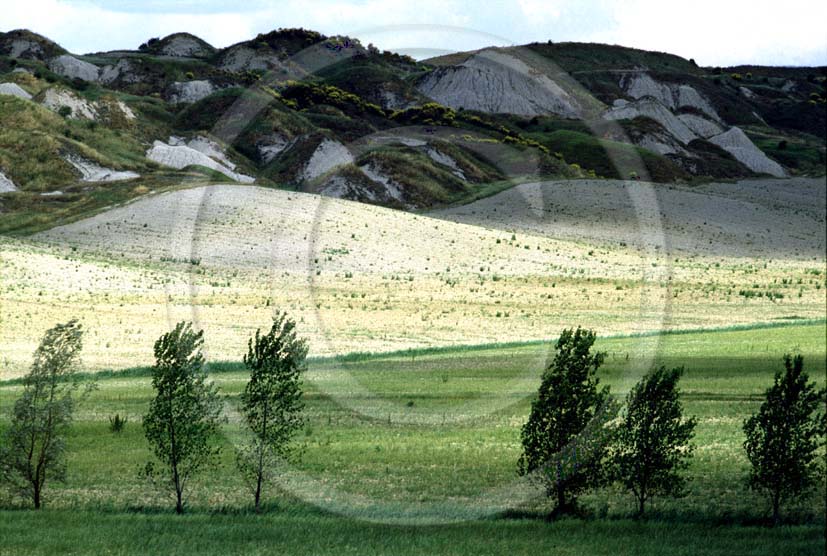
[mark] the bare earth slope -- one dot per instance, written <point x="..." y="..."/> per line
<point x="752" y="218"/>
<point x="365" y="278"/>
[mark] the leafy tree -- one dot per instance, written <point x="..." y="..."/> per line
<point x="783" y="437"/>
<point x="34" y="450"/>
<point x="184" y="416"/>
<point x="564" y="437"/>
<point x="652" y="443"/>
<point x="272" y="401"/>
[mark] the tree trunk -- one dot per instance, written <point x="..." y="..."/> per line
<point x="776" y="508"/>
<point x="561" y="499"/>
<point x="179" y="494"/>
<point x="258" y="493"/>
<point x="36" y="497"/>
<point x="260" y="470"/>
<point x="641" y="502"/>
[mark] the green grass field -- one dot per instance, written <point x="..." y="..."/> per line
<point x="415" y="453"/>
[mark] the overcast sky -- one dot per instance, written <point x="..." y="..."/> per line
<point x="714" y="32"/>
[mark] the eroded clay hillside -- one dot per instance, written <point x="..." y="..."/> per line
<point x="298" y="110"/>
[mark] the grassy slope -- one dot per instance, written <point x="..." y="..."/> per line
<point x="441" y="470"/>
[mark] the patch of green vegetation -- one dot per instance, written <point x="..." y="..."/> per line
<point x="577" y="58"/>
<point x="303" y="95"/>
<point x="290" y="41"/>
<point x="426" y="184"/>
<point x="802" y="154"/>
<point x="430" y="113"/>
<point x="374" y="78"/>
<point x="289" y="529"/>
<point x="592" y="153"/>
<point x="35" y="139"/>
<point x="207" y="112"/>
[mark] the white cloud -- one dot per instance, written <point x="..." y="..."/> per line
<point x="714" y="32"/>
<point x="539" y="12"/>
<point x="83" y="27"/>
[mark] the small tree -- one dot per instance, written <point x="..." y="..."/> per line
<point x="184" y="416"/>
<point x="652" y="443"/>
<point x="272" y="401"/>
<point x="782" y="439"/>
<point x="34" y="450"/>
<point x="564" y="437"/>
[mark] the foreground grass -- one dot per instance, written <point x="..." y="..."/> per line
<point x="430" y="439"/>
<point x="128" y="533"/>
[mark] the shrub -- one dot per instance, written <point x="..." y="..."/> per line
<point x="117" y="424"/>
<point x="64" y="111"/>
<point x="430" y="113"/>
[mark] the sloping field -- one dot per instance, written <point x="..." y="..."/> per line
<point x="361" y="278"/>
<point x="752" y="218"/>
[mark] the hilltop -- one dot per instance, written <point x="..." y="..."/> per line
<point x="298" y="110"/>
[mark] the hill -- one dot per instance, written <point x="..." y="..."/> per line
<point x="362" y="277"/>
<point x="299" y="110"/>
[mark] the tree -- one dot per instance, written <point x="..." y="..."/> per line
<point x="565" y="437"/>
<point x="184" y="416"/>
<point x="783" y="437"/>
<point x="34" y="450"/>
<point x="652" y="443"/>
<point x="272" y="401"/>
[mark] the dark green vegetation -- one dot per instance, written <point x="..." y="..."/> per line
<point x="276" y="98"/>
<point x="306" y="531"/>
<point x="429" y="436"/>
<point x="652" y="446"/>
<point x="784" y="436"/>
<point x="589" y="152"/>
<point x="561" y="441"/>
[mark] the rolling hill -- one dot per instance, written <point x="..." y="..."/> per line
<point x="297" y="110"/>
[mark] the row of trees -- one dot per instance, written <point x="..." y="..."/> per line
<point x="183" y="422"/>
<point x="577" y="439"/>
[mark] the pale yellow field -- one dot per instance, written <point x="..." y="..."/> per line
<point x="358" y="278"/>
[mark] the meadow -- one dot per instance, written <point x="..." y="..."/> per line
<point x="428" y="335"/>
<point x="415" y="452"/>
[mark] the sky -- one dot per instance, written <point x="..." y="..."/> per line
<point x="713" y="32"/>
